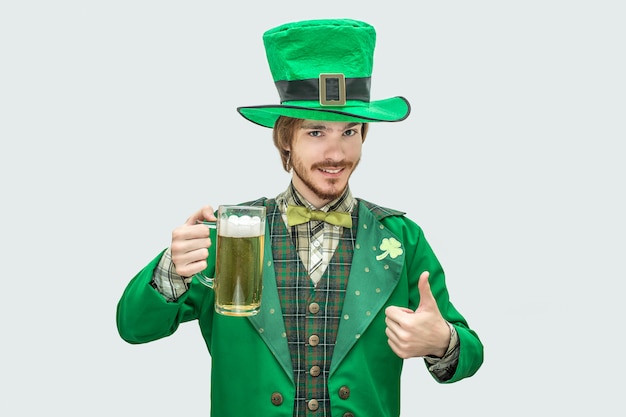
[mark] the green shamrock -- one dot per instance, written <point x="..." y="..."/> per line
<point x="391" y="248"/>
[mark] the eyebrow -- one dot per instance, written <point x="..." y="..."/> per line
<point x="323" y="127"/>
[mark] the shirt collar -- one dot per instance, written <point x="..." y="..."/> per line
<point x="344" y="203"/>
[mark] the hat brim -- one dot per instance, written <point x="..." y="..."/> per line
<point x="392" y="109"/>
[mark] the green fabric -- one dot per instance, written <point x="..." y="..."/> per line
<point x="250" y="356"/>
<point x="303" y="51"/>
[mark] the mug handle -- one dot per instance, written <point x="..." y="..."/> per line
<point x="208" y="281"/>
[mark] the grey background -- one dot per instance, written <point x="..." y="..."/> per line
<point x="116" y="122"/>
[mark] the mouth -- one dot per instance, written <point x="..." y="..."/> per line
<point x="331" y="171"/>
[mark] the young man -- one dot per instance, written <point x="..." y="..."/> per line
<point x="343" y="304"/>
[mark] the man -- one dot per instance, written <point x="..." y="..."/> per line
<point x="343" y="304"/>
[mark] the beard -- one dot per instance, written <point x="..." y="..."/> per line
<point x="333" y="188"/>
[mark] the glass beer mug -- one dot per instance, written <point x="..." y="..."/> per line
<point x="238" y="279"/>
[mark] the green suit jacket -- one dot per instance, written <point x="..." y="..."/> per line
<point x="251" y="368"/>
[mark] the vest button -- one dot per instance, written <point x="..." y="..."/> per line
<point x="348" y="414"/>
<point x="315" y="370"/>
<point x="277" y="398"/>
<point x="314" y="340"/>
<point x="313" y="405"/>
<point x="344" y="392"/>
<point x="314" y="308"/>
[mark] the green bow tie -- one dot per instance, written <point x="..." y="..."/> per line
<point x="298" y="215"/>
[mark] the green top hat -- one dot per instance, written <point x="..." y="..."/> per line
<point x="322" y="70"/>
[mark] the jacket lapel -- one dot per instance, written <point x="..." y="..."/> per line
<point x="269" y="322"/>
<point x="376" y="267"/>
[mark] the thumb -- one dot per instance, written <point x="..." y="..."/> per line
<point x="205" y="213"/>
<point x="427" y="300"/>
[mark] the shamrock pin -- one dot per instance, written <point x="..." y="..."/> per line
<point x="391" y="247"/>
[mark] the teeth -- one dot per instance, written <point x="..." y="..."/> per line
<point x="331" y="171"/>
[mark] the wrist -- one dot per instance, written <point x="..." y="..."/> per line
<point x="446" y="341"/>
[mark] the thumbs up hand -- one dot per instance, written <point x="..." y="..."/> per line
<point x="421" y="332"/>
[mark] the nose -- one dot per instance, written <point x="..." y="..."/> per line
<point x="334" y="148"/>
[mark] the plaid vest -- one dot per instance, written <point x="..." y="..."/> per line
<point x="311" y="313"/>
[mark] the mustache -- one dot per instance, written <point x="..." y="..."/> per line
<point x="333" y="164"/>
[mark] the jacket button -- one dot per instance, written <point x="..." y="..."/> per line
<point x="315" y="370"/>
<point x="313" y="405"/>
<point x="314" y="308"/>
<point x="277" y="398"/>
<point x="348" y="414"/>
<point x="314" y="340"/>
<point x="344" y="392"/>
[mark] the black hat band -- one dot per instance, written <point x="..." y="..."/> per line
<point x="335" y="89"/>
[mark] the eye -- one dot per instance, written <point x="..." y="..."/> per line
<point x="315" y="133"/>
<point x="351" y="132"/>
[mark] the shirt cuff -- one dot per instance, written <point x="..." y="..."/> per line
<point x="166" y="281"/>
<point x="443" y="368"/>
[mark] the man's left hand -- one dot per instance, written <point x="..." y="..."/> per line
<point x="421" y="332"/>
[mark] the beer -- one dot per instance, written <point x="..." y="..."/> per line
<point x="238" y="279"/>
<point x="239" y="275"/>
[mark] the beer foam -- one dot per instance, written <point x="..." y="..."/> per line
<point x="241" y="226"/>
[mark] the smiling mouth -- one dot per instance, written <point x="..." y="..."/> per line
<point x="331" y="171"/>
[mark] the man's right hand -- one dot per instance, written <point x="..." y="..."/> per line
<point x="191" y="242"/>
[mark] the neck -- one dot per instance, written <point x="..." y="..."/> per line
<point x="314" y="199"/>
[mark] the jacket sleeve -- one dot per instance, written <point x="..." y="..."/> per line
<point x="422" y="258"/>
<point x="144" y="315"/>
